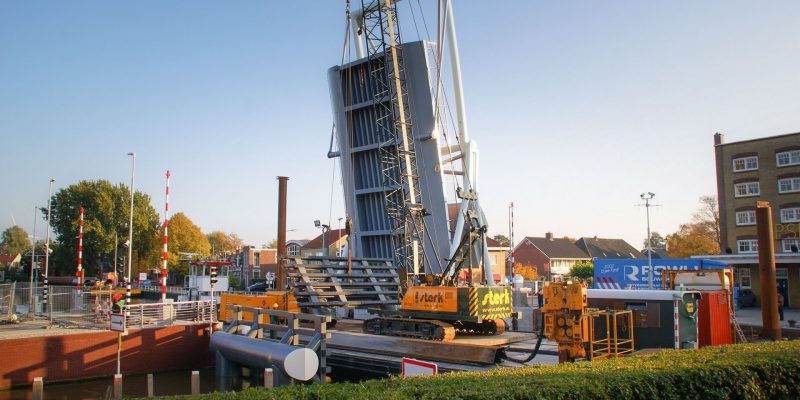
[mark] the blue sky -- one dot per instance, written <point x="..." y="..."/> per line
<point x="577" y="106"/>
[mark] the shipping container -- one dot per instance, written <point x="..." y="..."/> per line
<point x="714" y="318"/>
<point x="661" y="318"/>
<point x="635" y="273"/>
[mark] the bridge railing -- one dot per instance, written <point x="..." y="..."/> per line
<point x="159" y="314"/>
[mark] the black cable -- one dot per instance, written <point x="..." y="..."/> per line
<point x="535" y="348"/>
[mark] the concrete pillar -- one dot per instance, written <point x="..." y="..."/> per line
<point x="195" y="383"/>
<point x="269" y="380"/>
<point x="150" y="391"/>
<point x="766" y="266"/>
<point x="38" y="388"/>
<point x="117" y="386"/>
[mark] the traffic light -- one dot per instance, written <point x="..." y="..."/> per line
<point x="213" y="275"/>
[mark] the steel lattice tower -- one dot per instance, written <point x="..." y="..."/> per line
<point x="393" y="123"/>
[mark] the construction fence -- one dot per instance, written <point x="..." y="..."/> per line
<point x="92" y="308"/>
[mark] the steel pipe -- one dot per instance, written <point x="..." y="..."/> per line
<point x="298" y="363"/>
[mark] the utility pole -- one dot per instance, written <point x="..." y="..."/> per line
<point x="130" y="233"/>
<point x="647" y="197"/>
<point x="47" y="248"/>
<point x="33" y="265"/>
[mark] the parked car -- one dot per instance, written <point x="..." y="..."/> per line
<point x="90" y="281"/>
<point x="260" y="287"/>
<point x="747" y="298"/>
<point x="146" y="283"/>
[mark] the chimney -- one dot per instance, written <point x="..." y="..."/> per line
<point x="280" y="279"/>
<point x="548" y="235"/>
<point x="719" y="139"/>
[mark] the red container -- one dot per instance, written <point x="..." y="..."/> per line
<point x="714" y="318"/>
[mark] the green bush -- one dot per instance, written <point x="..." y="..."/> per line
<point x="749" y="371"/>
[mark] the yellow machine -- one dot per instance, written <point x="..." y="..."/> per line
<point x="566" y="320"/>
<point x="446" y="305"/>
<point x="570" y="323"/>
<point x="277" y="300"/>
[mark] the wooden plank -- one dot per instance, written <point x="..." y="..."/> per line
<point x="325" y="282"/>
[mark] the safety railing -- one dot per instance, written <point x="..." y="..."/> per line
<point x="157" y="288"/>
<point x="615" y="331"/>
<point x="6" y="300"/>
<point x="160" y="314"/>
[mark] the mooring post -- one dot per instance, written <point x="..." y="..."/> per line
<point x="268" y="378"/>
<point x="38" y="388"/>
<point x="771" y="328"/>
<point x="195" y="383"/>
<point x="117" y="386"/>
<point x="150" y="385"/>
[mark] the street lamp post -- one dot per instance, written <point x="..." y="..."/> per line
<point x="647" y="197"/>
<point x="33" y="264"/>
<point x="130" y="233"/>
<point x="325" y="228"/>
<point x="47" y="248"/>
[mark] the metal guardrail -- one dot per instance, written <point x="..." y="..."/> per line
<point x="160" y="314"/>
<point x="157" y="289"/>
<point x="7" y="300"/>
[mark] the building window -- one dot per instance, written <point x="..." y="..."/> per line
<point x="788" y="158"/>
<point x="745" y="164"/>
<point x="746" y="189"/>
<point x="791" y="245"/>
<point x="790" y="215"/>
<point x="493" y="259"/>
<point x="744" y="277"/>
<point x="256" y="259"/>
<point x="293" y="250"/>
<point x="789" y="185"/>
<point x="747" y="246"/>
<point x="746" y="217"/>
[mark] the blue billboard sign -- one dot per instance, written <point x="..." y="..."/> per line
<point x="635" y="273"/>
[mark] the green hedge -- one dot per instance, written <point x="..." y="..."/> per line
<point x="750" y="371"/>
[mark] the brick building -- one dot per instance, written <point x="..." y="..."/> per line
<point x="748" y="171"/>
<point x="548" y="255"/>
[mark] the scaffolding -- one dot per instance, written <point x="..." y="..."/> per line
<point x="618" y="338"/>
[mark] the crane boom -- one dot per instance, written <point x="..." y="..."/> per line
<point x="398" y="158"/>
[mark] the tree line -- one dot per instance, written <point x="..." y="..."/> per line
<point x="106" y="216"/>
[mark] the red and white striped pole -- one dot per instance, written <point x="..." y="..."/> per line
<point x="164" y="257"/>
<point x="511" y="239"/>
<point x="80" y="250"/>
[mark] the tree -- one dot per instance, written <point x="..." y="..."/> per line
<point x="570" y="239"/>
<point x="107" y="210"/>
<point x="656" y="241"/>
<point x="185" y="237"/>
<point x="236" y="241"/>
<point x="14" y="241"/>
<point x="707" y="216"/>
<point x="691" y="240"/>
<point x="503" y="239"/>
<point x="273" y="244"/>
<point x="582" y="270"/>
<point x="220" y="242"/>
<point x="528" y="273"/>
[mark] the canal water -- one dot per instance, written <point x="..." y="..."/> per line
<point x="164" y="384"/>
